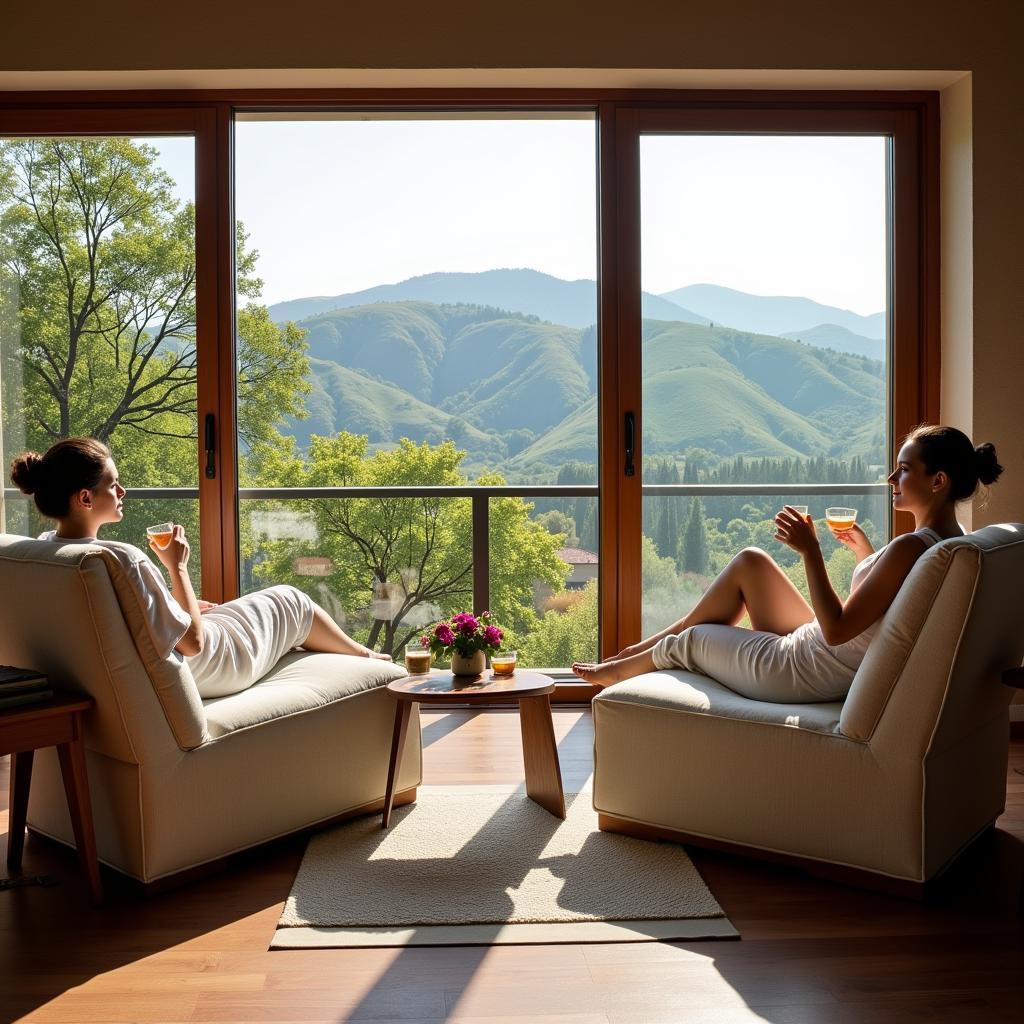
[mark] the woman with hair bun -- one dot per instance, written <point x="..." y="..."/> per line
<point x="227" y="647"/>
<point x="797" y="652"/>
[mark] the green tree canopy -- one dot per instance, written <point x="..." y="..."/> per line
<point x="397" y="564"/>
<point x="101" y="257"/>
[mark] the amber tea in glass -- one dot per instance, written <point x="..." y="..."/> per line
<point x="417" y="660"/>
<point x="503" y="663"/>
<point x="840" y="519"/>
<point x="160" y="534"/>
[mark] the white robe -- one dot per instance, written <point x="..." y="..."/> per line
<point x="242" y="639"/>
<point x="794" y="668"/>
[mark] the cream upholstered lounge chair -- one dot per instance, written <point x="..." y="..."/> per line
<point x="894" y="782"/>
<point x="176" y="782"/>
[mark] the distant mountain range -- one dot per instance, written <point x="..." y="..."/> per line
<point x="839" y="338"/>
<point x="519" y="395"/>
<point x="781" y="315"/>
<point x="574" y="304"/>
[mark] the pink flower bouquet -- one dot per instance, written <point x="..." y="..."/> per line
<point x="463" y="634"/>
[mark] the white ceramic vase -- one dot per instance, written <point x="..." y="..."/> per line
<point x="471" y="666"/>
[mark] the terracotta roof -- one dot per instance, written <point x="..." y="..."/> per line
<point x="577" y="556"/>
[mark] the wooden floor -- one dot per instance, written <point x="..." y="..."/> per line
<point x="811" y="951"/>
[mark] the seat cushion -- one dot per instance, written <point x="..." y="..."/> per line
<point x="691" y="692"/>
<point x="300" y="682"/>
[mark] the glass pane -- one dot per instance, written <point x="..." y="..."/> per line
<point x="563" y="625"/>
<point x="764" y="350"/>
<point x="419" y="311"/>
<point x="689" y="539"/>
<point x="97" y="314"/>
<point x="381" y="595"/>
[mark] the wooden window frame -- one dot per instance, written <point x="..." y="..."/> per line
<point x="910" y="118"/>
<point x="913" y="275"/>
<point x="62" y="118"/>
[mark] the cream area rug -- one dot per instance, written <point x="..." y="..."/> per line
<point x="485" y="865"/>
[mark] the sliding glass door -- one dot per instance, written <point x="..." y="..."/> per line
<point x="762" y="253"/>
<point x="99" y="309"/>
<point x="417" y="370"/>
<point x="765" y="369"/>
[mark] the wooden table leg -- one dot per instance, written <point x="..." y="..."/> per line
<point x="540" y="754"/>
<point x="403" y="711"/>
<point x="76" y="788"/>
<point x="21" y="777"/>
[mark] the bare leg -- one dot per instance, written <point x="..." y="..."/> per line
<point x="609" y="672"/>
<point x="327" y="636"/>
<point x="753" y="583"/>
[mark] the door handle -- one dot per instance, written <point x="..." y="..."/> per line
<point x="630" y="443"/>
<point x="210" y="440"/>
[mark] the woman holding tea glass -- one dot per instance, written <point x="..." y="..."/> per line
<point x="227" y="647"/>
<point x="797" y="652"/>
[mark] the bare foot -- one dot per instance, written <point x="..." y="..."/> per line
<point x="601" y="674"/>
<point x="379" y="656"/>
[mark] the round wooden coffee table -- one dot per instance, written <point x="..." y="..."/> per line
<point x="530" y="689"/>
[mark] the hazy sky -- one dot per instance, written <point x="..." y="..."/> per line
<point x="338" y="206"/>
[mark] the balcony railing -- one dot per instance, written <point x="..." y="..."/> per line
<point x="481" y="495"/>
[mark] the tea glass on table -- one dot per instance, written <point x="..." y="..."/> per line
<point x="160" y="534"/>
<point x="503" y="663"/>
<point x="840" y="519"/>
<point x="417" y="660"/>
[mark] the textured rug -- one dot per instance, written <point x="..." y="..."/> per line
<point x="485" y="865"/>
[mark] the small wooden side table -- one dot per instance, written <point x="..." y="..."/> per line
<point x="532" y="692"/>
<point x="56" y="722"/>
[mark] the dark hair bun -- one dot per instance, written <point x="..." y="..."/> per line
<point x="988" y="468"/>
<point x="25" y="471"/>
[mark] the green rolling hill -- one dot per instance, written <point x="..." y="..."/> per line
<point x="344" y="399"/>
<point x="839" y="338"/>
<point x="518" y="394"/>
<point x="733" y="393"/>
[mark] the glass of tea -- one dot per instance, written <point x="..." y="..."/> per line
<point x="417" y="659"/>
<point x="160" y="534"/>
<point x="800" y="509"/>
<point x="840" y="519"/>
<point x="503" y="663"/>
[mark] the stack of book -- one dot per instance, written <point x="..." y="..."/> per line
<point x="22" y="686"/>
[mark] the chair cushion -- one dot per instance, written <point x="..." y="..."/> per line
<point x="301" y="681"/>
<point x="172" y="681"/>
<point x="695" y="694"/>
<point x="105" y="646"/>
<point x="935" y="599"/>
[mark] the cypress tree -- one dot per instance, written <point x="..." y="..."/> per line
<point x="695" y="540"/>
<point x="588" y="532"/>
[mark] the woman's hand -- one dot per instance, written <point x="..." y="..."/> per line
<point x="205" y="606"/>
<point x="856" y="540"/>
<point x="796" y="531"/>
<point x="175" y="554"/>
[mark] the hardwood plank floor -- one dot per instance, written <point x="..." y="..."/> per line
<point x="812" y="952"/>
